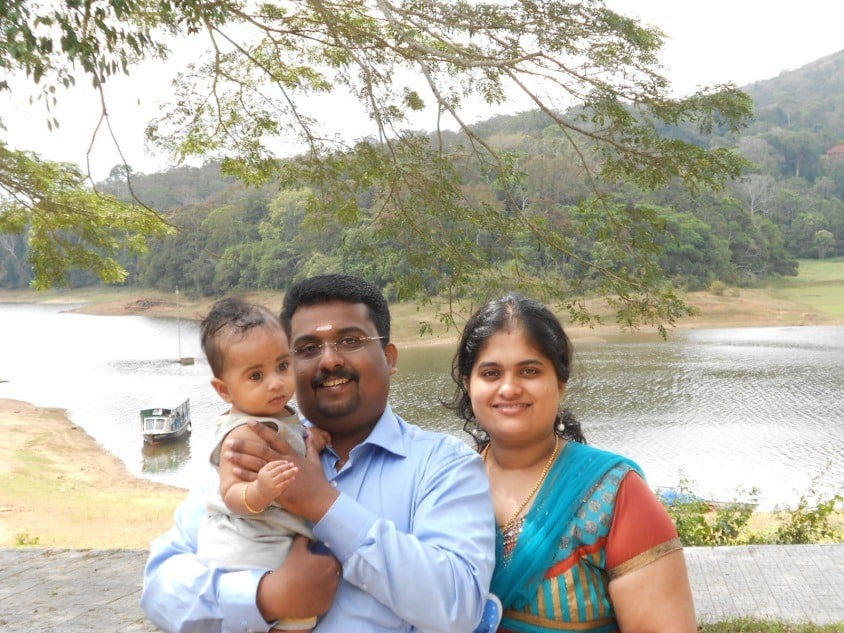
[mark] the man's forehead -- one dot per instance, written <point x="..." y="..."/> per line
<point x="330" y="318"/>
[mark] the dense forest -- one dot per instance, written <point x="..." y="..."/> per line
<point x="788" y="205"/>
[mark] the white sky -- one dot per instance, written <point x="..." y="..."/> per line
<point x="707" y="42"/>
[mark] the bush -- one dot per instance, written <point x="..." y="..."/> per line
<point x="25" y="540"/>
<point x="695" y="522"/>
<point x="718" y="288"/>
<point x="700" y="522"/>
<point x="809" y="523"/>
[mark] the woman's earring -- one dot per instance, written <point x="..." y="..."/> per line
<point x="558" y="421"/>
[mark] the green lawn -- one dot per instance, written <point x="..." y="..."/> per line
<point x="820" y="284"/>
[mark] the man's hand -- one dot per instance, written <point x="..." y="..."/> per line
<point x="309" y="493"/>
<point x="248" y="457"/>
<point x="304" y="585"/>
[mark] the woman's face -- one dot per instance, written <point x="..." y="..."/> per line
<point x="514" y="389"/>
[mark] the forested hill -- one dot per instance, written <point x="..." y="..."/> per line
<point x="801" y="113"/>
<point x="808" y="101"/>
<point x="790" y="205"/>
<point x="816" y="88"/>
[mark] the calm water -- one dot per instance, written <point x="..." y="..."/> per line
<point x="726" y="409"/>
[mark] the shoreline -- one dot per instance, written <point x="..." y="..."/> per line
<point x="748" y="307"/>
<point x="91" y="501"/>
<point x="59" y="488"/>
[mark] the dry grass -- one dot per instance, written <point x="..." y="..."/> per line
<point x="60" y="488"/>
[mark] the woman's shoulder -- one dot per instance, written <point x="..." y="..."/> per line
<point x="595" y="456"/>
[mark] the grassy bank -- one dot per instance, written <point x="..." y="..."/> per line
<point x="60" y="488"/>
<point x="820" y="285"/>
<point x="815" y="297"/>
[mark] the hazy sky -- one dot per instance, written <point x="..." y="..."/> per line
<point x="739" y="40"/>
<point x="707" y="42"/>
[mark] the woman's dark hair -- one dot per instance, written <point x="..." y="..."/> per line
<point x="543" y="331"/>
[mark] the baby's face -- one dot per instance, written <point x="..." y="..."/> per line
<point x="257" y="377"/>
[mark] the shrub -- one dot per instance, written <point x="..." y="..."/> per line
<point x="695" y="522"/>
<point x="25" y="540"/>
<point x="700" y="522"/>
<point x="809" y="522"/>
<point x="717" y="287"/>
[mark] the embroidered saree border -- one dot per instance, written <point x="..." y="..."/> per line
<point x="645" y="558"/>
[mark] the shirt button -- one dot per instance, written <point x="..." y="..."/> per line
<point x="334" y="483"/>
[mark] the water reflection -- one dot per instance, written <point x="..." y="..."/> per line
<point x="163" y="458"/>
<point x="725" y="408"/>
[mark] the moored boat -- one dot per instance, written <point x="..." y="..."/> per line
<point x="160" y="425"/>
<point x="671" y="496"/>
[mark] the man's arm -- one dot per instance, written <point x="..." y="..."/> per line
<point x="182" y="594"/>
<point x="437" y="576"/>
<point x="308" y="495"/>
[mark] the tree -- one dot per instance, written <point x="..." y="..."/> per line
<point x="823" y="241"/>
<point x="67" y="225"/>
<point x="757" y="192"/>
<point x="587" y="70"/>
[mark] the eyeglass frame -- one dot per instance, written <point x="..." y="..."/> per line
<point x="297" y="352"/>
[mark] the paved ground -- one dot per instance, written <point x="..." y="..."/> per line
<point x="76" y="591"/>
<point x="789" y="583"/>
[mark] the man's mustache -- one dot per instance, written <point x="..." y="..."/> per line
<point x="322" y="376"/>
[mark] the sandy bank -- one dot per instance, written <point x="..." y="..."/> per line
<point x="60" y="488"/>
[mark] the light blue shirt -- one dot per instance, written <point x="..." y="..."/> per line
<point x="413" y="528"/>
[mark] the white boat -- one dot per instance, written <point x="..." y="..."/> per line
<point x="160" y="425"/>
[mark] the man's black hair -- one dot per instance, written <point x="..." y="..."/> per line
<point x="337" y="287"/>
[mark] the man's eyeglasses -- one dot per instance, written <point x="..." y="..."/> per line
<point x="344" y="345"/>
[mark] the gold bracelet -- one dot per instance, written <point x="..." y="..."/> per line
<point x="246" y="503"/>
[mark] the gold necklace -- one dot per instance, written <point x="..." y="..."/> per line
<point x="538" y="485"/>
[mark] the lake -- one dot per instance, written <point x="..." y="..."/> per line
<point x="727" y="409"/>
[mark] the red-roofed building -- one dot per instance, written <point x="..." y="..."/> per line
<point x="835" y="153"/>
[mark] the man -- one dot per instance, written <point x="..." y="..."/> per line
<point x="405" y="512"/>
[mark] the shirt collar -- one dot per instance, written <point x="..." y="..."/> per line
<point x="388" y="433"/>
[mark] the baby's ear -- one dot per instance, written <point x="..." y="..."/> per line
<point x="221" y="389"/>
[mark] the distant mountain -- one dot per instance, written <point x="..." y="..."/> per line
<point x="815" y="80"/>
<point x="809" y="99"/>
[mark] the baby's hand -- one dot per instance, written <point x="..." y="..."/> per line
<point x="274" y="477"/>
<point x="317" y="440"/>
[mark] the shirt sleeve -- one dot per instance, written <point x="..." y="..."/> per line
<point x="181" y="594"/>
<point x="436" y="576"/>
<point x="642" y="529"/>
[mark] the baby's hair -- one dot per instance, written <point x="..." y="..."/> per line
<point x="231" y="317"/>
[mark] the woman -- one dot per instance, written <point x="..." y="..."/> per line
<point x="581" y="539"/>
